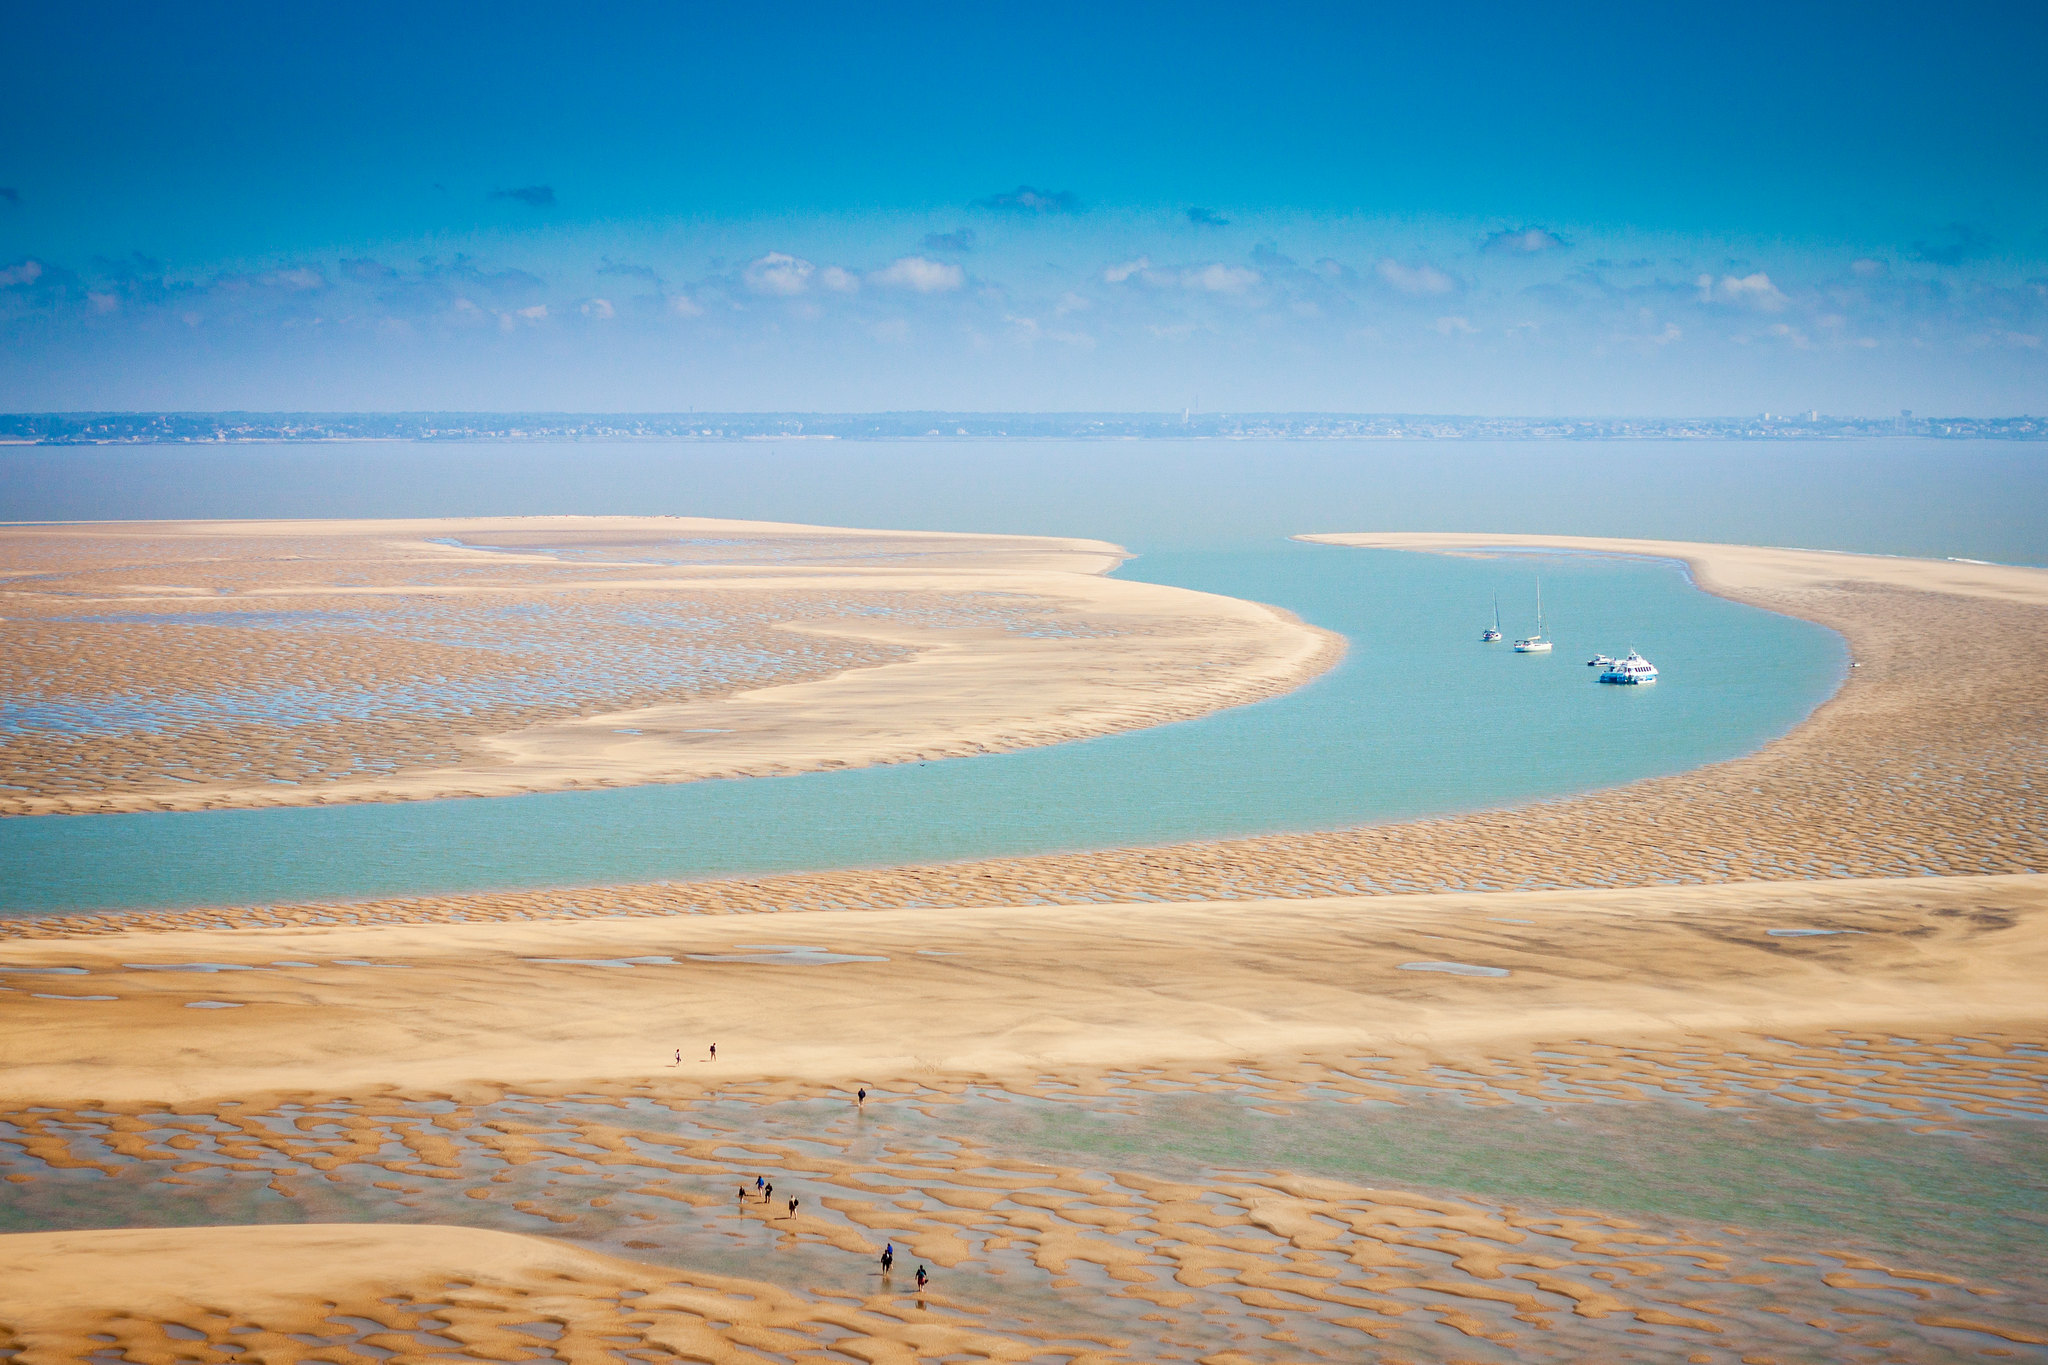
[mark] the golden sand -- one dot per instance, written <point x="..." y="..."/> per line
<point x="1000" y="994"/>
<point x="197" y="665"/>
<point x="1031" y="1253"/>
<point x="1070" y="1060"/>
<point x="427" y="1292"/>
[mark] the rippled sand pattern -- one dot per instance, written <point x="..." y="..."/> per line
<point x="1144" y="1253"/>
<point x="1749" y="1124"/>
<point x="140" y="668"/>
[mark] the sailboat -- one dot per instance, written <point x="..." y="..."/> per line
<point x="1535" y="644"/>
<point x="1489" y="636"/>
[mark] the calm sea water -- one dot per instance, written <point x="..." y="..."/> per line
<point x="1419" y="719"/>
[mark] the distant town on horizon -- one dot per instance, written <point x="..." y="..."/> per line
<point x="102" y="428"/>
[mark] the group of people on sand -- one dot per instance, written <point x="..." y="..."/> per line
<point x="889" y="1259"/>
<point x="766" y="1190"/>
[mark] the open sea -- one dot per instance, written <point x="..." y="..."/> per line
<point x="1419" y="719"/>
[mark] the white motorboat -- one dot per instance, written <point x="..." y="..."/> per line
<point x="1633" y="670"/>
<point x="1489" y="636"/>
<point x="1535" y="644"/>
<point x="1600" y="661"/>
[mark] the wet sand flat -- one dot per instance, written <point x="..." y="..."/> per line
<point x="200" y="665"/>
<point x="1763" y="1079"/>
<point x="999" y="993"/>
<point x="1269" y="1211"/>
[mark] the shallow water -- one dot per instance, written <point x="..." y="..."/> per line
<point x="1745" y="1221"/>
<point x="1419" y="719"/>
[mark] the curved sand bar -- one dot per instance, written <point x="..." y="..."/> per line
<point x="1931" y="760"/>
<point x="457" y="669"/>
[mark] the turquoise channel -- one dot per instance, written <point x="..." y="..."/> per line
<point x="1419" y="719"/>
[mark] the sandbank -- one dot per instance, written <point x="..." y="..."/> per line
<point x="999" y="993"/>
<point x="420" y="1291"/>
<point x="1834" y="951"/>
<point x="405" y="660"/>
<point x="1921" y="765"/>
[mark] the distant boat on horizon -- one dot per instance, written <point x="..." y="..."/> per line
<point x="1535" y="644"/>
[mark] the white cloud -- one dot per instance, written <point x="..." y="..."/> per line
<point x="103" y="303"/>
<point x="1526" y="241"/>
<point x="28" y="272"/>
<point x="1747" y="291"/>
<point x="683" y="306"/>
<point x="1117" y="274"/>
<point x="1870" y="269"/>
<point x="300" y="278"/>
<point x="779" y="273"/>
<point x="1071" y="302"/>
<point x="1415" y="279"/>
<point x="1455" y="326"/>
<point x="533" y="316"/>
<point x="599" y="308"/>
<point x="921" y="274"/>
<point x="1218" y="278"/>
<point x="839" y="281"/>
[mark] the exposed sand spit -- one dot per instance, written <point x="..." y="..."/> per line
<point x="181" y="666"/>
<point x="421" y="1292"/>
<point x="1006" y="993"/>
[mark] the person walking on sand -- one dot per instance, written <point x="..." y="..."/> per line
<point x="679" y="1058"/>
<point x="743" y="1196"/>
<point x="888" y="1257"/>
<point x="714" y="1052"/>
<point x="757" y="1186"/>
<point x="921" y="1278"/>
<point x="861" y="1096"/>
<point x="768" y="1192"/>
<point x="793" y="1202"/>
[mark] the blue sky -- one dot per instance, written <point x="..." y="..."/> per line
<point x="1487" y="209"/>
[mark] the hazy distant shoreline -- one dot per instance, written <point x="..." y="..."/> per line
<point x="116" y="428"/>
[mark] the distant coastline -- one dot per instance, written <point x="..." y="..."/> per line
<point x="122" y="428"/>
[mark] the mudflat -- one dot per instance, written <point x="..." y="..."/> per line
<point x="1747" y="1064"/>
<point x="200" y="665"/>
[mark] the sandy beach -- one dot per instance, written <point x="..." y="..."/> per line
<point x="203" y="665"/>
<point x="1746" y="1064"/>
